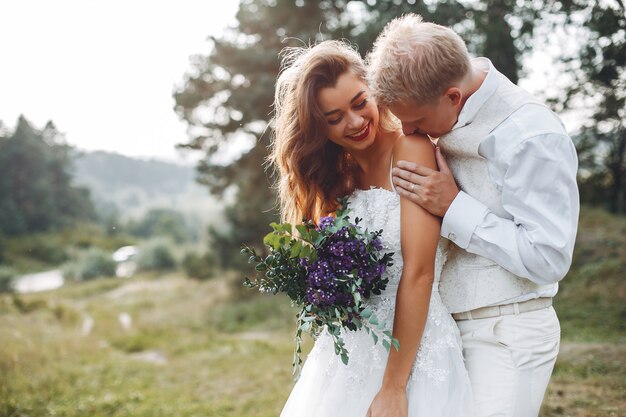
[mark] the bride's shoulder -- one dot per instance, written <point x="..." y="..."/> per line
<point x="414" y="148"/>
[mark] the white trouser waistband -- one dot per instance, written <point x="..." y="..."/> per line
<point x="505" y="309"/>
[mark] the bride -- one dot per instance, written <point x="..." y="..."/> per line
<point x="332" y="140"/>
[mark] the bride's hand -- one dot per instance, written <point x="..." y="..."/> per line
<point x="389" y="402"/>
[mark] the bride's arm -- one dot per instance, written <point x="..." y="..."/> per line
<point x="419" y="231"/>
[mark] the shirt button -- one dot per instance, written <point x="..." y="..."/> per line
<point x="452" y="236"/>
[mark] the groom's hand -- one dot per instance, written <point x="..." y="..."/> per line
<point x="433" y="190"/>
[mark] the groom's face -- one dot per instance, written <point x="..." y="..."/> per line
<point x="434" y="119"/>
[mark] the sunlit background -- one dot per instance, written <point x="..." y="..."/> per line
<point x="132" y="141"/>
<point x="104" y="71"/>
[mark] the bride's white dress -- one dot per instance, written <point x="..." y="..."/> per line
<point x="438" y="385"/>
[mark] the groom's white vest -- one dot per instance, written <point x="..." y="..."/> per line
<point x="470" y="281"/>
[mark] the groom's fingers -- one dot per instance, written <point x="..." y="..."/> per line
<point x="441" y="161"/>
<point x="408" y="176"/>
<point x="405" y="185"/>
<point x="416" y="198"/>
<point x="415" y="168"/>
<point x="410" y="191"/>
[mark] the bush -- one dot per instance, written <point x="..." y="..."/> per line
<point x="6" y="279"/>
<point x="155" y="256"/>
<point x="85" y="236"/>
<point x="41" y="247"/>
<point x="199" y="267"/>
<point x="163" y="223"/>
<point x="93" y="263"/>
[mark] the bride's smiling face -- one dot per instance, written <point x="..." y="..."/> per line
<point x="351" y="114"/>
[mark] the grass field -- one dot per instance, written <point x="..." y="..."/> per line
<point x="168" y="346"/>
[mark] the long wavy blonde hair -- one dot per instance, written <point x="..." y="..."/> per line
<point x="312" y="171"/>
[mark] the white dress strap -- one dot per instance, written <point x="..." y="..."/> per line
<point x="391" y="175"/>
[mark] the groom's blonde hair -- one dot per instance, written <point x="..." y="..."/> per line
<point x="415" y="62"/>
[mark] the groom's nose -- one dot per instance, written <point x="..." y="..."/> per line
<point x="408" y="129"/>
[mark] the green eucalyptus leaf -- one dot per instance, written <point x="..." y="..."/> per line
<point x="366" y="313"/>
<point x="269" y="239"/>
<point x="286" y="227"/>
<point x="396" y="344"/>
<point x="275" y="226"/>
<point x="296" y="249"/>
<point x="304" y="232"/>
<point x="306" y="251"/>
<point x="317" y="237"/>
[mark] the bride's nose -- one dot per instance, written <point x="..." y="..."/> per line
<point x="355" y="121"/>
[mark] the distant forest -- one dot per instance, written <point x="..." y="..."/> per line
<point x="48" y="185"/>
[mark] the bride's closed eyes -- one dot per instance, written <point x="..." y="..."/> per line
<point x="358" y="106"/>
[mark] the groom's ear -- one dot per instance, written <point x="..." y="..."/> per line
<point x="454" y="95"/>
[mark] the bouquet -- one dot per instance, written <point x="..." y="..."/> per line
<point x="328" y="271"/>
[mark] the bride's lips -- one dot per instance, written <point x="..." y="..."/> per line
<point x="360" y="137"/>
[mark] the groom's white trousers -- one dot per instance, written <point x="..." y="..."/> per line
<point x="510" y="359"/>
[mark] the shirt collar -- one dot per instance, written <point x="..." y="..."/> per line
<point x="480" y="96"/>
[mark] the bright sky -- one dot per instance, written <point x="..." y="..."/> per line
<point x="104" y="70"/>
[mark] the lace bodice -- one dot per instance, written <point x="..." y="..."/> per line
<point x="380" y="209"/>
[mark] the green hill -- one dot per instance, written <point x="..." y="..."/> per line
<point x="133" y="186"/>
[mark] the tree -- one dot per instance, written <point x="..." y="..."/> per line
<point x="161" y="222"/>
<point x="599" y="83"/>
<point x="603" y="61"/>
<point x="36" y="193"/>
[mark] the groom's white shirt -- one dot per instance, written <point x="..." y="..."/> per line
<point x="533" y="162"/>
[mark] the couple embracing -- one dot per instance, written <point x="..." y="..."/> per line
<point x="473" y="183"/>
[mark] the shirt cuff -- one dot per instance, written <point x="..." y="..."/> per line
<point x="463" y="216"/>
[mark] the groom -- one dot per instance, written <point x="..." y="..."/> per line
<point x="511" y="214"/>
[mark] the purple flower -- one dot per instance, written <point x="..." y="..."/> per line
<point x="325" y="222"/>
<point x="350" y="247"/>
<point x="337" y="248"/>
